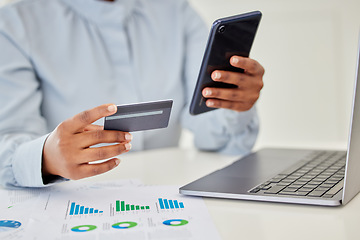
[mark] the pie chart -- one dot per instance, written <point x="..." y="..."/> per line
<point x="7" y="225"/>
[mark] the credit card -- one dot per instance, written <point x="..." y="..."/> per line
<point x="140" y="116"/>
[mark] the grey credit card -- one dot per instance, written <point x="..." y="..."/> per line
<point x="140" y="116"/>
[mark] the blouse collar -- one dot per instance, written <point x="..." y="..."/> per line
<point x="103" y="12"/>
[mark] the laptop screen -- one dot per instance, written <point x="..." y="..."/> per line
<point x="352" y="178"/>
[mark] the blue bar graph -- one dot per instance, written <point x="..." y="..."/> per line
<point x="170" y="204"/>
<point x="72" y="208"/>
<point x="161" y="203"/>
<point x="166" y="204"/>
<point x="78" y="210"/>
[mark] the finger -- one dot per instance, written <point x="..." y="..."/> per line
<point x="85" y="118"/>
<point x="231" y="94"/>
<point x="238" y="79"/>
<point x="100" y="153"/>
<point x="249" y="65"/>
<point x="90" y="138"/>
<point x="93" y="127"/>
<point x="237" y="106"/>
<point x="89" y="170"/>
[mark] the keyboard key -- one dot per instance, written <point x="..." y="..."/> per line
<point x="317" y="193"/>
<point x="327" y="185"/>
<point x="312" y="186"/>
<point x="289" y="189"/>
<point x="255" y="190"/>
<point x="304" y="190"/>
<point x="276" y="180"/>
<point x="282" y="184"/>
<point x="266" y="188"/>
<point x="274" y="190"/>
<point x="292" y="193"/>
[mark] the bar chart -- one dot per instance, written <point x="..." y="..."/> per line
<point x="77" y="209"/>
<point x="170" y="204"/>
<point x="122" y="206"/>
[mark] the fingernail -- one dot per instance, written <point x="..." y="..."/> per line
<point x="112" y="108"/>
<point x="117" y="162"/>
<point x="216" y="75"/>
<point x="128" y="146"/>
<point x="235" y="60"/>
<point x="128" y="137"/>
<point x="207" y="92"/>
<point x="209" y="103"/>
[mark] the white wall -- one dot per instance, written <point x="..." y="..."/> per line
<point x="3" y="2"/>
<point x="308" y="49"/>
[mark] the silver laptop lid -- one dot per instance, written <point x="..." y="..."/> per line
<point x="352" y="177"/>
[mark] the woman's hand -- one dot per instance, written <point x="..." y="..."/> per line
<point x="68" y="150"/>
<point x="249" y="85"/>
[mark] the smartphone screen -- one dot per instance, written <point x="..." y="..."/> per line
<point x="228" y="37"/>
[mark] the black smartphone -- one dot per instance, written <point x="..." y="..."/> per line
<point x="228" y="37"/>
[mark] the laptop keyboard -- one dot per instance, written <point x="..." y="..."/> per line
<point x="321" y="175"/>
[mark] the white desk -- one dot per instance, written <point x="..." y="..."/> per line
<point x="237" y="219"/>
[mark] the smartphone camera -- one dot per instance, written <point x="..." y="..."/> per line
<point x="221" y="29"/>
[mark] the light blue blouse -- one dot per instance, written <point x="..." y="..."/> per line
<point x="60" y="57"/>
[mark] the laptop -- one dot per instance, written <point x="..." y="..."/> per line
<point x="301" y="176"/>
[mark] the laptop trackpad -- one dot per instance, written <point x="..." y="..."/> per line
<point x="265" y="163"/>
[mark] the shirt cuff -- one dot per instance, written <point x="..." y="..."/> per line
<point x="27" y="164"/>
<point x="237" y="122"/>
<point x="242" y="128"/>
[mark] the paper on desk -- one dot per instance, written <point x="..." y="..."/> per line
<point x="139" y="212"/>
<point x="17" y="204"/>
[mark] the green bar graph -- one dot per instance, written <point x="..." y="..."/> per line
<point x="122" y="206"/>
<point x="117" y="206"/>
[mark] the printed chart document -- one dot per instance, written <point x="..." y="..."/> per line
<point x="137" y="212"/>
<point x="17" y="205"/>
